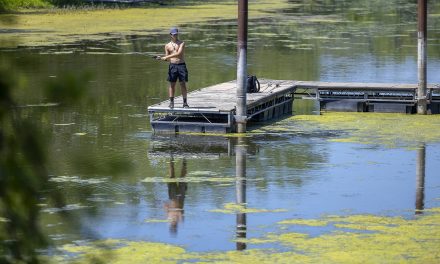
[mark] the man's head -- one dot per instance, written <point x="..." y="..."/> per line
<point x="174" y="31"/>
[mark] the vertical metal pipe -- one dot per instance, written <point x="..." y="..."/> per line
<point x="422" y="56"/>
<point x="240" y="189"/>
<point x="420" y="179"/>
<point x="240" y="117"/>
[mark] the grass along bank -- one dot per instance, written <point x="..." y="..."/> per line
<point x="7" y="5"/>
<point x="58" y="27"/>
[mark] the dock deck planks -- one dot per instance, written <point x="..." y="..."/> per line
<point x="222" y="97"/>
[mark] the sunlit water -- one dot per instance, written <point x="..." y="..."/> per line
<point x="174" y="184"/>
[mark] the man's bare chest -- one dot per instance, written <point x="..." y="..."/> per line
<point x="173" y="47"/>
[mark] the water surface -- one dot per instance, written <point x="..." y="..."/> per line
<point x="178" y="189"/>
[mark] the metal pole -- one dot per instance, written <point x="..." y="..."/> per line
<point x="240" y="189"/>
<point x="421" y="59"/>
<point x="240" y="117"/>
<point x="420" y="179"/>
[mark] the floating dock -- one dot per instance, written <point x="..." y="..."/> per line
<point x="212" y="109"/>
<point x="368" y="97"/>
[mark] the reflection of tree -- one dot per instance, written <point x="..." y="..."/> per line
<point x="313" y="28"/>
<point x="176" y="193"/>
<point x="289" y="165"/>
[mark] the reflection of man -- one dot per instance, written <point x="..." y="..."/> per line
<point x="176" y="194"/>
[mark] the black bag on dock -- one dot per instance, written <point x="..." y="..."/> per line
<point x="253" y="85"/>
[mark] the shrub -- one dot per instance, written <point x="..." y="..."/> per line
<point x="6" y="5"/>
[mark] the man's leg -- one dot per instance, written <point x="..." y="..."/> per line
<point x="171" y="91"/>
<point x="184" y="94"/>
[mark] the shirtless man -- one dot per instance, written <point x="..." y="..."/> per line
<point x="174" y="53"/>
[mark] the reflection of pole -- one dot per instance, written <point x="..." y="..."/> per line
<point x="240" y="117"/>
<point x="240" y="172"/>
<point x="420" y="179"/>
<point x="421" y="58"/>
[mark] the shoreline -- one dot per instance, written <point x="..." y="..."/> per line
<point x="54" y="28"/>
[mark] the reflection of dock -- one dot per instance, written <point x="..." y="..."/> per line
<point x="213" y="108"/>
<point x="194" y="146"/>
<point x="189" y="146"/>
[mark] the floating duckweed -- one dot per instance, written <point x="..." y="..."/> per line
<point x="156" y="221"/>
<point x="367" y="220"/>
<point x="338" y="48"/>
<point x="64" y="124"/>
<point x="256" y="241"/>
<point x="233" y="208"/>
<point x="253" y="256"/>
<point x="311" y="222"/>
<point x="190" y="179"/>
<point x="197" y="173"/>
<point x="68" y="207"/>
<point x="71" y="26"/>
<point x="42" y="105"/>
<point x="260" y="34"/>
<point x="327" y="20"/>
<point x="77" y="179"/>
<point x="121" y="252"/>
<point x="391" y="130"/>
<point x="397" y="240"/>
<point x="433" y="210"/>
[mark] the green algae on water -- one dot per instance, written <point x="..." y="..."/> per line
<point x="121" y="252"/>
<point x="390" y="130"/>
<point x="156" y="220"/>
<point x="234" y="208"/>
<point x="392" y="239"/>
<point x="69" y="207"/>
<point x="77" y="179"/>
<point x="388" y="240"/>
<point x="310" y="222"/>
<point x="49" y="28"/>
<point x="190" y="179"/>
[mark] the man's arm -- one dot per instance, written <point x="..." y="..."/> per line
<point x="177" y="54"/>
<point x="159" y="57"/>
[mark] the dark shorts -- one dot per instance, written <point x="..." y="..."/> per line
<point x="177" y="71"/>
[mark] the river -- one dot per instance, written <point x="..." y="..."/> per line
<point x="121" y="181"/>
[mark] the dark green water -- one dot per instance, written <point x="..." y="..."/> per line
<point x="305" y="174"/>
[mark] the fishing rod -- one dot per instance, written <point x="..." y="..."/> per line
<point x="156" y="57"/>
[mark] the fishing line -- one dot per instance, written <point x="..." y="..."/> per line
<point x="147" y="54"/>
